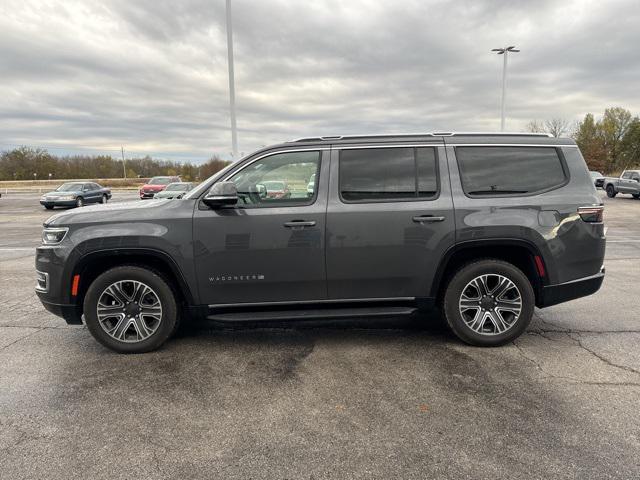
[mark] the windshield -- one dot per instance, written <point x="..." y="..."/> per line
<point x="159" y="181"/>
<point x="176" y="186"/>
<point x="69" y="187"/>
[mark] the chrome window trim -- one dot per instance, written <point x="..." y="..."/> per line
<point x="270" y="154"/>
<point x="541" y="145"/>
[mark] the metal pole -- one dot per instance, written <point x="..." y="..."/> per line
<point x="232" y="88"/>
<point x="124" y="167"/>
<point x="504" y="90"/>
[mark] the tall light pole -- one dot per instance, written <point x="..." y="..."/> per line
<point x="232" y="88"/>
<point x="505" y="52"/>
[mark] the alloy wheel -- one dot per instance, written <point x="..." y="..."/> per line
<point x="490" y="304"/>
<point x="129" y="311"/>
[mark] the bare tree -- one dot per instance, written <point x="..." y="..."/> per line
<point x="557" y="126"/>
<point x="535" y="126"/>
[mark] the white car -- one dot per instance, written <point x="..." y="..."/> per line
<point x="311" y="185"/>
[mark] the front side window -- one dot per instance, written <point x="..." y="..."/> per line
<point x="278" y="180"/>
<point x="386" y="174"/>
<point x="509" y="170"/>
<point x="626" y="175"/>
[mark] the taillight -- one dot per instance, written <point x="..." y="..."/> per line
<point x="592" y="214"/>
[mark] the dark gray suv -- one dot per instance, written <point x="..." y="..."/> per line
<point x="486" y="226"/>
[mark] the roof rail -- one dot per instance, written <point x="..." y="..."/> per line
<point x="423" y="134"/>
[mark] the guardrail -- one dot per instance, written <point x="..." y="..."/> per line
<point x="43" y="186"/>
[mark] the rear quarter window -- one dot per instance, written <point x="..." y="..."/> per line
<point x="487" y="171"/>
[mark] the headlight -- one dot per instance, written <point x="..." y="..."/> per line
<point x="53" y="236"/>
<point x="43" y="198"/>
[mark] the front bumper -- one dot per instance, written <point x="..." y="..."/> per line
<point x="72" y="314"/>
<point x="144" y="195"/>
<point x="563" y="292"/>
<point x="58" y="203"/>
<point x="53" y="282"/>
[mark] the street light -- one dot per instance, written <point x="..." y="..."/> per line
<point x="505" y="52"/>
<point x="232" y="88"/>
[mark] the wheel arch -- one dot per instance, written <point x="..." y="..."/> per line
<point x="91" y="265"/>
<point x="520" y="253"/>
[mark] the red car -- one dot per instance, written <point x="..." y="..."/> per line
<point x="155" y="185"/>
<point x="277" y="189"/>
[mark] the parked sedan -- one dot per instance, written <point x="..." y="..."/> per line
<point x="175" y="190"/>
<point x="75" y="194"/>
<point x="598" y="179"/>
<point x="155" y="185"/>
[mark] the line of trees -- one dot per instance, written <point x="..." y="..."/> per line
<point x="26" y="163"/>
<point x="609" y="143"/>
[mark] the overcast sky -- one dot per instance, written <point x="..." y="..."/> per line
<point x="152" y="74"/>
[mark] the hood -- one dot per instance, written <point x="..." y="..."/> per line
<point x="152" y="187"/>
<point x="107" y="213"/>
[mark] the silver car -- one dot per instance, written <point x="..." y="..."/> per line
<point x="175" y="190"/>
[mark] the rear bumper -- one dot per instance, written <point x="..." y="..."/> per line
<point x="563" y="292"/>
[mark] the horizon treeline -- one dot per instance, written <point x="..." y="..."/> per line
<point x="23" y="162"/>
<point x="609" y="143"/>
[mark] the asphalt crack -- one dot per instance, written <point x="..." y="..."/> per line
<point x="603" y="358"/>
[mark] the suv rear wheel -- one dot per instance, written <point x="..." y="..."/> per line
<point x="130" y="309"/>
<point x="488" y="303"/>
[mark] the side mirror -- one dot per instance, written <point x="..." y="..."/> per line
<point x="221" y="194"/>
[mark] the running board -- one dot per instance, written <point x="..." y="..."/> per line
<point x="325" y="313"/>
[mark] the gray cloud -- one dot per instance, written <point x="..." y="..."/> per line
<point x="152" y="74"/>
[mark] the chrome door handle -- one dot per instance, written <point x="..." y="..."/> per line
<point x="299" y="224"/>
<point x="427" y="219"/>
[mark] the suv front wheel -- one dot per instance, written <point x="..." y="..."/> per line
<point x="488" y="303"/>
<point x="130" y="309"/>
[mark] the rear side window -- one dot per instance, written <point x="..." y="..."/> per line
<point x="509" y="170"/>
<point x="386" y="174"/>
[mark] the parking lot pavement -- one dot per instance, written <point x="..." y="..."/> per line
<point x="394" y="398"/>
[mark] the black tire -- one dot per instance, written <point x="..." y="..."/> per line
<point x="460" y="281"/>
<point x="160" y="287"/>
<point x="49" y="207"/>
<point x="79" y="202"/>
<point x="104" y="199"/>
<point x="611" y="192"/>
<point x="635" y="195"/>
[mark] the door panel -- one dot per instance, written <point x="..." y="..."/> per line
<point x="257" y="253"/>
<point x="386" y="249"/>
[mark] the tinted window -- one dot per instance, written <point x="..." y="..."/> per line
<point x="509" y="170"/>
<point x="278" y="179"/>
<point x="374" y="174"/>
